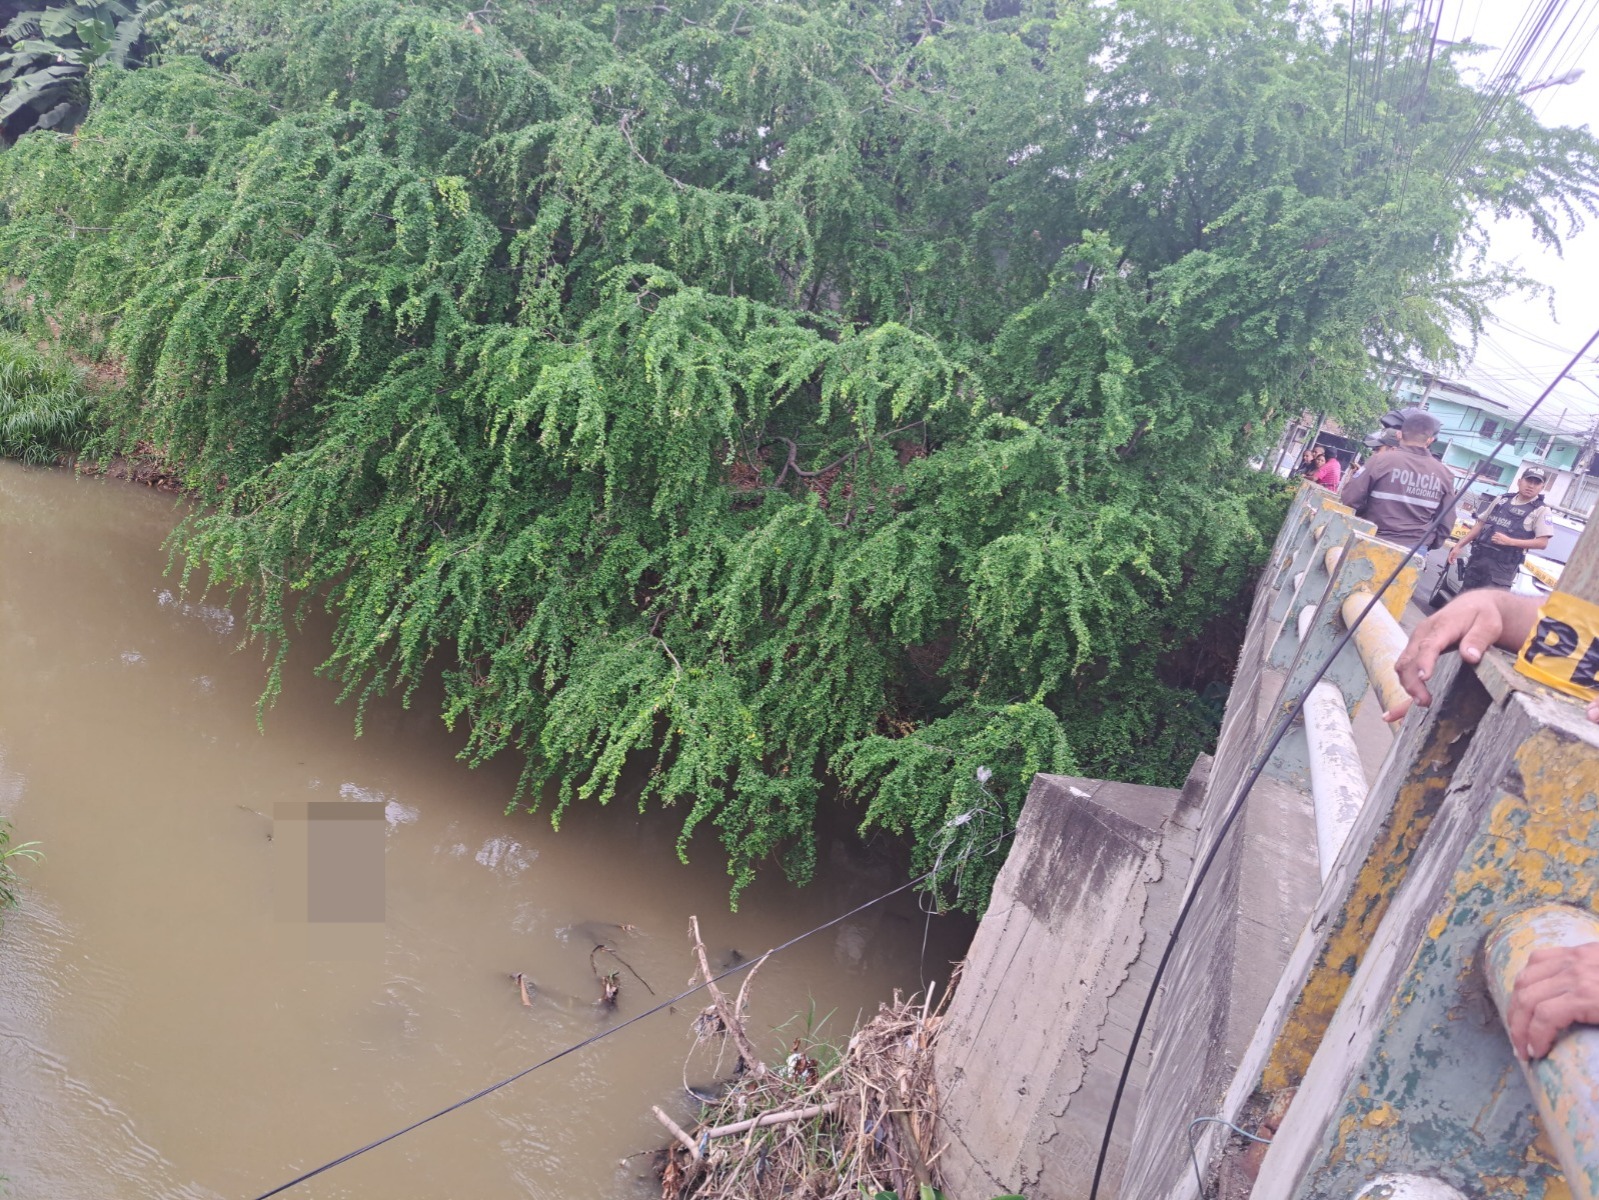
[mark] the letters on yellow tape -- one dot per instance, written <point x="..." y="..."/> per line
<point x="1563" y="650"/>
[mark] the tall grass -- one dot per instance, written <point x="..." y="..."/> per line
<point x="8" y="874"/>
<point x="44" y="406"/>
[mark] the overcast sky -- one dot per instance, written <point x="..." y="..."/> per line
<point x="1532" y="338"/>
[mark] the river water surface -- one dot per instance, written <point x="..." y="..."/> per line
<point x="160" y="1036"/>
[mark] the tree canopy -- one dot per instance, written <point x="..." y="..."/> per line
<point x="768" y="397"/>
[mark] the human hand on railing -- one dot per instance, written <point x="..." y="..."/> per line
<point x="1473" y="621"/>
<point x="1558" y="988"/>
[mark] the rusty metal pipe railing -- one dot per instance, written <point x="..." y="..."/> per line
<point x="1337" y="779"/>
<point x="1407" y="1187"/>
<point x="1565" y="1082"/>
<point x="1307" y="617"/>
<point x="1379" y="640"/>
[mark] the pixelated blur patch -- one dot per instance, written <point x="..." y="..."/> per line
<point x="331" y="856"/>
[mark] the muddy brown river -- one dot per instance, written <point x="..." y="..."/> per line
<point x="166" y="1032"/>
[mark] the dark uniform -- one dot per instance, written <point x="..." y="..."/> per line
<point x="1496" y="566"/>
<point x="1401" y="492"/>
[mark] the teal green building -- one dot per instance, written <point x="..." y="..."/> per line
<point x="1474" y="423"/>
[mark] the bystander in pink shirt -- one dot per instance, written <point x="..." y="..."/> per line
<point x="1329" y="475"/>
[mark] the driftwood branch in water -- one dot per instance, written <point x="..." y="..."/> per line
<point x="777" y="1118"/>
<point x="738" y="1005"/>
<point x="625" y="963"/>
<point x="730" y="1019"/>
<point x="676" y="1131"/>
<point x="610" y="981"/>
<point x="909" y="1149"/>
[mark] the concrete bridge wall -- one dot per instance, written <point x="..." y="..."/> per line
<point x="1041" y="1021"/>
<point x="1339" y="1008"/>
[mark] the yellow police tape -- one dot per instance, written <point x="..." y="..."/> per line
<point x="1563" y="650"/>
<point x="1539" y="569"/>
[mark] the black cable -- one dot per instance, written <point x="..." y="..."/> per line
<point x="1420" y="111"/>
<point x="1545" y="68"/>
<point x="1284" y="723"/>
<point x="1380" y="67"/>
<point x="1494" y="81"/>
<point x="1349" y="76"/>
<point x="604" y="1033"/>
<point x="1193" y="1147"/>
<point x="1403" y="103"/>
<point x="1362" y="82"/>
<point x="1507" y="81"/>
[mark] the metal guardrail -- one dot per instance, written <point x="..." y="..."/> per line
<point x="1328" y="565"/>
<point x="1379" y="639"/>
<point x="1407" y="1187"/>
<point x="1379" y="1050"/>
<point x="1337" y="776"/>
<point x="1565" y="1082"/>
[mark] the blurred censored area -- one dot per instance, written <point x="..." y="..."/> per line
<point x="330" y="876"/>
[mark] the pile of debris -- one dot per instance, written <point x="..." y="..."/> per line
<point x="810" y="1129"/>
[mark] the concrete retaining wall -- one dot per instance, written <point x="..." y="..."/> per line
<point x="1041" y="1022"/>
<point x="1039" y="1027"/>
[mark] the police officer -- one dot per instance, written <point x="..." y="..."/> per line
<point x="1402" y="488"/>
<point x="1509" y="527"/>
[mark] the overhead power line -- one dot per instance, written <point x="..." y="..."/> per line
<point x="1536" y="22"/>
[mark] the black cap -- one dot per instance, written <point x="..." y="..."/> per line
<point x="1533" y="474"/>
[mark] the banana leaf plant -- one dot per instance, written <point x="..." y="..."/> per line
<point x="46" y="55"/>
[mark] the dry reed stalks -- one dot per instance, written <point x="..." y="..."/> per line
<point x="870" y="1120"/>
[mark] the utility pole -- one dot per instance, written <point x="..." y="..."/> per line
<point x="1585" y="455"/>
<point x="1590" y="442"/>
<point x="1426" y="393"/>
<point x="1580" y="578"/>
<point x="1315" y="432"/>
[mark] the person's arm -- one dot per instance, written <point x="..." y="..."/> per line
<point x="1442" y="524"/>
<point x="1477" y="527"/>
<point x="1510" y="543"/>
<point x="1356" y="491"/>
<point x="1465" y="538"/>
<point x="1542" y="531"/>
<point x="1558" y="988"/>
<point x="1473" y="621"/>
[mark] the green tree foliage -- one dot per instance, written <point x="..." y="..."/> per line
<point x="763" y="395"/>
